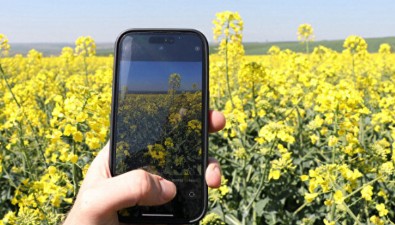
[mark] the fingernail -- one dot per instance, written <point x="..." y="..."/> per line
<point x="216" y="169"/>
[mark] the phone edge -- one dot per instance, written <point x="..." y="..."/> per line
<point x="205" y="108"/>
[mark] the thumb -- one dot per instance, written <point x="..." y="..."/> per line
<point x="136" y="187"/>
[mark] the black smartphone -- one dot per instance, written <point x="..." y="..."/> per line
<point x="159" y="118"/>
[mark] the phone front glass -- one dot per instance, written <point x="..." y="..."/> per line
<point x="159" y="116"/>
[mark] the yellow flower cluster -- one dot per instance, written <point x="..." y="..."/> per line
<point x="305" y="35"/>
<point x="157" y="152"/>
<point x="385" y="48"/>
<point x="283" y="164"/>
<point x="194" y="126"/>
<point x="4" y="46"/>
<point x="305" y="32"/>
<point x="85" y="46"/>
<point x="52" y="124"/>
<point x="212" y="219"/>
<point x="355" y="44"/>
<point x="216" y="195"/>
<point x="326" y="117"/>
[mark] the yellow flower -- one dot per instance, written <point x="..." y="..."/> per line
<point x="381" y="209"/>
<point x="92" y="141"/>
<point x="387" y="168"/>
<point x="304" y="177"/>
<point x="314" y="138"/>
<point x="224" y="190"/>
<point x="69" y="129"/>
<point x="338" y="197"/>
<point x="309" y="197"/>
<point x="169" y="142"/>
<point x="77" y="136"/>
<point x="305" y="32"/>
<point x="382" y="193"/>
<point x="56" y="200"/>
<point x="326" y="222"/>
<point x="332" y="141"/>
<point x="376" y="220"/>
<point x="274" y="50"/>
<point x="85" y="170"/>
<point x="328" y="202"/>
<point x="194" y="125"/>
<point x="73" y="158"/>
<point x="243" y="127"/>
<point x="4" y="46"/>
<point x="385" y="48"/>
<point x="212" y="218"/>
<point x="9" y="218"/>
<point x="240" y="153"/>
<point x="355" y="44"/>
<point x="85" y="46"/>
<point x="367" y="192"/>
<point x="274" y="174"/>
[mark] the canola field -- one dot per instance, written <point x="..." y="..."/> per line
<point x="309" y="137"/>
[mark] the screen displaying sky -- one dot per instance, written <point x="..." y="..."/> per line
<point x="144" y="76"/>
<point x="264" y="20"/>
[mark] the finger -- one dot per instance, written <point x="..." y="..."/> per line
<point x="102" y="159"/>
<point x="136" y="187"/>
<point x="98" y="170"/>
<point x="213" y="173"/>
<point x="216" y="121"/>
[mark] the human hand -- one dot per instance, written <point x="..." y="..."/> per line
<point x="101" y="196"/>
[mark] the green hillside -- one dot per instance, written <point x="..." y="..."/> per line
<point x="254" y="48"/>
<point x="56" y="48"/>
<point x="251" y="48"/>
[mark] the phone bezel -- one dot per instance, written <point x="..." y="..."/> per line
<point x="205" y="107"/>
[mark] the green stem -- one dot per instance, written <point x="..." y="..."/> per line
<point x="225" y="159"/>
<point x="10" y="180"/>
<point x="300" y="208"/>
<point x="40" y="150"/>
<point x="335" y="134"/>
<point x="367" y="213"/>
<point x="9" y="87"/>
<point x="227" y="70"/>
<point x="360" y="188"/>
<point x="222" y="210"/>
<point x="353" y="69"/>
<point x="261" y="186"/>
<point x="86" y="72"/>
<point x="352" y="214"/>
<point x="307" y="47"/>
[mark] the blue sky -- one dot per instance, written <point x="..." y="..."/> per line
<point x="265" y="20"/>
<point x="154" y="76"/>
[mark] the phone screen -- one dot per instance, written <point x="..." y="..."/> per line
<point x="159" y="116"/>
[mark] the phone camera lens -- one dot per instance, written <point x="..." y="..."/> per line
<point x="161" y="47"/>
<point x="169" y="40"/>
<point x="197" y="48"/>
<point x="191" y="194"/>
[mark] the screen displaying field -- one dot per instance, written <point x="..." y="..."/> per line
<point x="159" y="117"/>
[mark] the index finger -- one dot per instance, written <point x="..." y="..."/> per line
<point x="216" y="121"/>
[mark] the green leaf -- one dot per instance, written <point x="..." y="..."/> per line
<point x="260" y="205"/>
<point x="232" y="220"/>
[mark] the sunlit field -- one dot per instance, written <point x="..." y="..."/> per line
<point x="309" y="137"/>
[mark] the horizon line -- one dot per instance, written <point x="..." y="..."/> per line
<point x="210" y="42"/>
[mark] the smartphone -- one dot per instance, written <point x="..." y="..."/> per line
<point x="159" y="118"/>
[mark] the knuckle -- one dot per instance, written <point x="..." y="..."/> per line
<point x="143" y="181"/>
